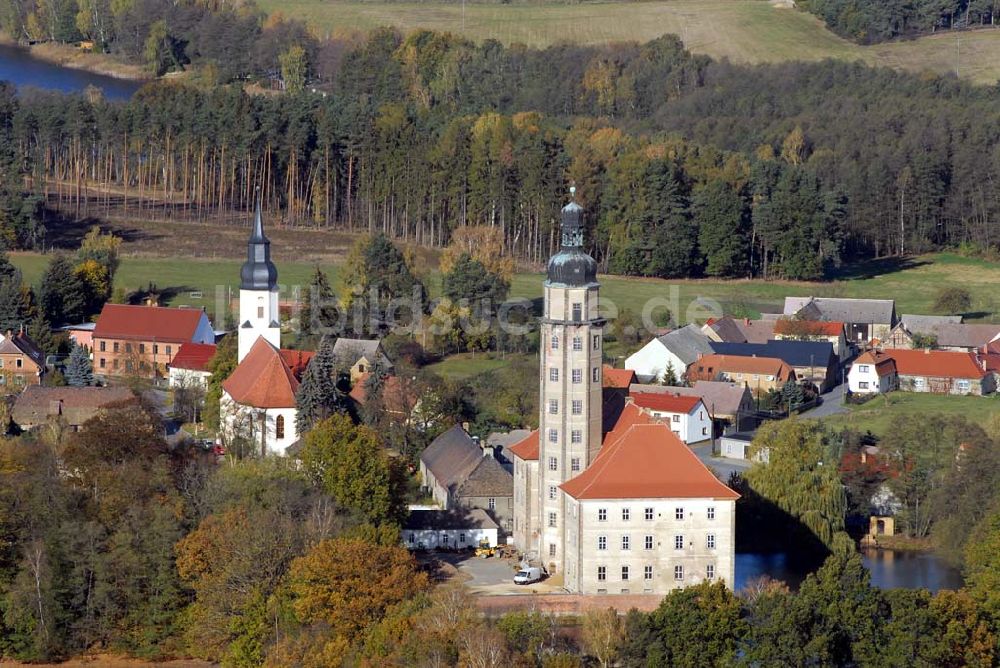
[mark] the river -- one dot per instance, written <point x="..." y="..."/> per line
<point x="20" y="68"/>
<point x="889" y="570"/>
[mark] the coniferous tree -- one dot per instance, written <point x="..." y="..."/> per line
<point x="319" y="310"/>
<point x="79" y="370"/>
<point x="720" y="215"/>
<point x="63" y="295"/>
<point x="318" y="397"/>
<point x="40" y="331"/>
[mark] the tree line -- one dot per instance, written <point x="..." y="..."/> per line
<point x="870" y="22"/>
<point x="686" y="167"/>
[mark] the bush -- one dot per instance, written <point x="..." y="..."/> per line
<point x="953" y="301"/>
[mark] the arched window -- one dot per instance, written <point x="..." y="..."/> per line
<point x="279" y="427"/>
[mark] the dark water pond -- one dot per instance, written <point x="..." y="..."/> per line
<point x="18" y="67"/>
<point x="889" y="570"/>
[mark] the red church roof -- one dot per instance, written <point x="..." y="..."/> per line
<point x="297" y="360"/>
<point x="193" y="356"/>
<point x="148" y="323"/>
<point x="263" y="379"/>
<point x="646" y="461"/>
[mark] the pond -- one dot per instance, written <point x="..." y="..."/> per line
<point x="20" y="68"/>
<point x="889" y="570"/>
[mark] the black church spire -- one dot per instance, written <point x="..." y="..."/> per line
<point x="258" y="272"/>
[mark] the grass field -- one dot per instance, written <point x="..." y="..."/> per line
<point x="745" y="31"/>
<point x="914" y="283"/>
<point x="465" y="365"/>
<point x="876" y="414"/>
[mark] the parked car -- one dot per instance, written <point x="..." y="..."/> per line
<point x="528" y="575"/>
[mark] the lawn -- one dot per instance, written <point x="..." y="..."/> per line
<point x="876" y="414"/>
<point x="744" y="31"/>
<point x="913" y="283"/>
<point x="466" y="365"/>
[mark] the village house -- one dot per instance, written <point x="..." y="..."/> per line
<point x="431" y="529"/>
<point x="686" y="416"/>
<point x="190" y="365"/>
<point x="359" y="356"/>
<point x="73" y="406"/>
<point x="81" y="335"/>
<point x="864" y="319"/>
<point x="729" y="404"/>
<point x="759" y="374"/>
<point x="460" y="473"/>
<point x="606" y="498"/>
<point x="941" y="333"/>
<point x="873" y="372"/>
<point x="143" y="340"/>
<point x="21" y="362"/>
<point x="942" y="372"/>
<point x="739" y="330"/>
<point x="791" y="329"/>
<point x="674" y="351"/>
<point x="812" y="361"/>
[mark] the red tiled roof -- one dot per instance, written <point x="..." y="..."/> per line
<point x="647" y="461"/>
<point x="297" y="360"/>
<point x="808" y="327"/>
<point x="937" y="363"/>
<point x="193" y="356"/>
<point x="668" y="403"/>
<point x="738" y="364"/>
<point x="394" y="397"/>
<point x="617" y="378"/>
<point x="527" y="449"/>
<point x="884" y="364"/>
<point x="148" y="323"/>
<point x="262" y="379"/>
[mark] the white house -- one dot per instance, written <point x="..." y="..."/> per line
<point x="873" y="372"/>
<point x="674" y="350"/>
<point x="189" y="367"/>
<point x="445" y="529"/>
<point x="686" y="415"/>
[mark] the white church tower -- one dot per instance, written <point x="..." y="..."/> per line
<point x="258" y="293"/>
<point x="569" y="432"/>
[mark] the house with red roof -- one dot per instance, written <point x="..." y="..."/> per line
<point x="943" y="372"/>
<point x="143" y="340"/>
<point x="190" y="365"/>
<point x="873" y="372"/>
<point x="794" y="329"/>
<point x="686" y="415"/>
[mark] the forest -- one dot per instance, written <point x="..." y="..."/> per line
<point x="685" y="166"/>
<point x="870" y="22"/>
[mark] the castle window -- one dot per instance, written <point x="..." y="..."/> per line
<point x="577" y="343"/>
<point x="626" y="542"/>
<point x="552" y="520"/>
<point x="576" y="436"/>
<point x="597" y="342"/>
<point x="647" y="573"/>
<point x="596" y="376"/>
<point x="710" y="571"/>
<point x="574" y="464"/>
<point x="553" y="435"/>
<point x="624" y="573"/>
<point x="626" y="514"/>
<point x="649" y="514"/>
<point x="602" y="514"/>
<point x="554" y="374"/>
<point x="678" y="542"/>
<point x="552" y="492"/>
<point x="648" y="543"/>
<point x="555" y="343"/>
<point x="577" y="375"/>
<point x="552" y="549"/>
<point x="710" y="541"/>
<point x="711" y="512"/>
<point x="279" y="427"/>
<point x="553" y="464"/>
<point x="602" y="542"/>
<point x="678" y="513"/>
<point x="602" y="573"/>
<point x="678" y="572"/>
<point x="577" y="407"/>
<point x="554" y="406"/>
<point x="577" y="311"/>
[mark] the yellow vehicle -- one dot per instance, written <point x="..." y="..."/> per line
<point x="485" y="551"/>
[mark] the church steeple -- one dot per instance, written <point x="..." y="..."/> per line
<point x="258" y="272"/>
<point x="572" y="266"/>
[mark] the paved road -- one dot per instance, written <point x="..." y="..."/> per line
<point x="833" y="403"/>
<point x="720" y="465"/>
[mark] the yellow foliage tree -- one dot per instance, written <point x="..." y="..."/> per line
<point x="484" y="244"/>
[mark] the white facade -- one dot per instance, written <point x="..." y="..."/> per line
<point x="691" y="427"/>
<point x="570" y="408"/>
<point x="652" y="360"/>
<point x="258" y="317"/>
<point x="526" y="501"/>
<point x="188" y="378"/>
<point x="243" y="424"/>
<point x="432" y="539"/>
<point x="863" y="378"/>
<point x="653" y="546"/>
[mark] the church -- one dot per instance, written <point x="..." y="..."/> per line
<point x="258" y="398"/>
<point x="609" y="501"/>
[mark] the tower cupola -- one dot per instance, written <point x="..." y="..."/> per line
<point x="572" y="266"/>
<point x="258" y="272"/>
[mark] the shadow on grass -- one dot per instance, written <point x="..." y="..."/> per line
<point x="874" y="268"/>
<point x="65" y="232"/>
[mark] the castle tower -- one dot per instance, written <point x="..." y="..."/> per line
<point x="570" y="382"/>
<point x="258" y="293"/>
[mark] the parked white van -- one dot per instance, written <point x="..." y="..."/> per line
<point x="528" y="575"/>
